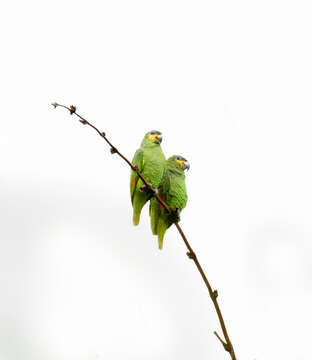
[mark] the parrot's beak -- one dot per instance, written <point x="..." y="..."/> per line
<point x="155" y="137"/>
<point x="186" y="165"/>
<point x="159" y="138"/>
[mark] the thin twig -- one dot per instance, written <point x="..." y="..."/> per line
<point x="191" y="254"/>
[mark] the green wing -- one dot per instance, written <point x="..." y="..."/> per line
<point x="177" y="195"/>
<point x="139" y="162"/>
<point x="165" y="186"/>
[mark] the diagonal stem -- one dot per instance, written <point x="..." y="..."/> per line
<point x="191" y="254"/>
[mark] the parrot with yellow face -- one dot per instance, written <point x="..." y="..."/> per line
<point x="150" y="161"/>
<point x="172" y="191"/>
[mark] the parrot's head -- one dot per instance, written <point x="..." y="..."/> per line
<point x="154" y="136"/>
<point x="180" y="162"/>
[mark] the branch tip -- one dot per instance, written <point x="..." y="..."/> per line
<point x="55" y="105"/>
<point x="217" y="335"/>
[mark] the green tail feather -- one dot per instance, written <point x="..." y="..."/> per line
<point x="160" y="242"/>
<point x="161" y="229"/>
<point x="154" y="215"/>
<point x="138" y="202"/>
<point x="136" y="218"/>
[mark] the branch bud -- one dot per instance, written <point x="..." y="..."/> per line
<point x="227" y="347"/>
<point x="72" y="109"/>
<point x="215" y="294"/>
<point x="191" y="255"/>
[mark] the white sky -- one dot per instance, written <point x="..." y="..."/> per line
<point x="229" y="85"/>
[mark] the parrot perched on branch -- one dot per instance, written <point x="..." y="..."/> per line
<point x="172" y="191"/>
<point x="151" y="162"/>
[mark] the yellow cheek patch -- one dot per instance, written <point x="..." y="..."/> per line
<point x="153" y="137"/>
<point x="180" y="162"/>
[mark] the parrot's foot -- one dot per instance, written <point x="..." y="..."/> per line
<point x="175" y="216"/>
<point x="148" y="189"/>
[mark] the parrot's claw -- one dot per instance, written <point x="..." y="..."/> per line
<point x="148" y="189"/>
<point x="175" y="216"/>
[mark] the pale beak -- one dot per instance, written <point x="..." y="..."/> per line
<point x="186" y="165"/>
<point x="159" y="138"/>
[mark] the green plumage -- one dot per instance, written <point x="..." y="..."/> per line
<point x="172" y="191"/>
<point x="150" y="161"/>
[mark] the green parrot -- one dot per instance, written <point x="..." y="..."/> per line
<point x="151" y="162"/>
<point x="172" y="191"/>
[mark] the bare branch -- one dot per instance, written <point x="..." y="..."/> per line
<point x="191" y="254"/>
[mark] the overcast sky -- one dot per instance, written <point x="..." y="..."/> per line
<point x="228" y="83"/>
